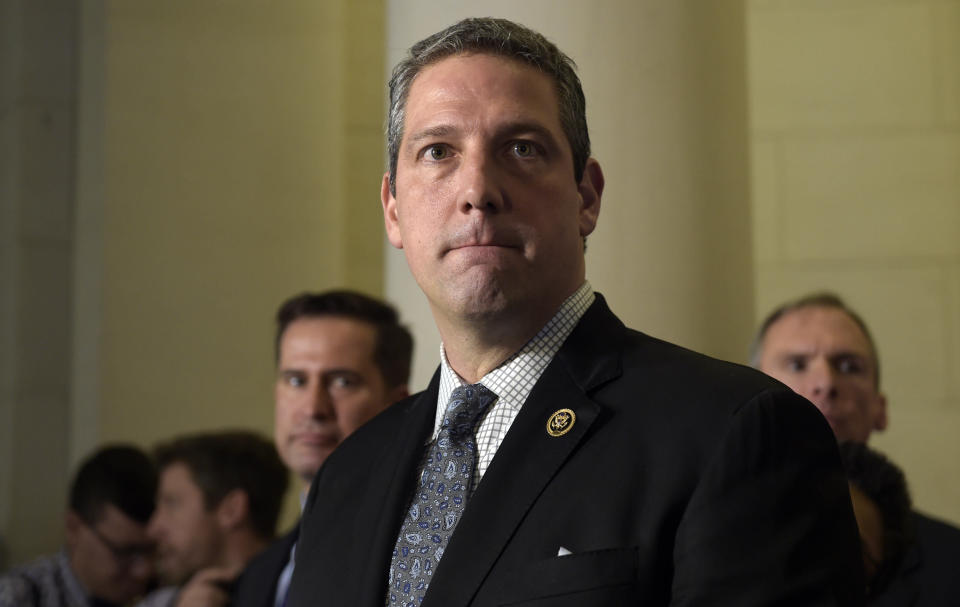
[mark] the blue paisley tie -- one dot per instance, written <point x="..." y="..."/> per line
<point x="439" y="499"/>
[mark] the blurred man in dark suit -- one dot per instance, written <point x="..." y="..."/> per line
<point x="824" y="351"/>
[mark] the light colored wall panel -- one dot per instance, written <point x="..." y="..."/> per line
<point x="235" y="138"/>
<point x="44" y="129"/>
<point x="861" y="96"/>
<point x="840" y="65"/>
<point x="946" y="18"/>
<point x="871" y="197"/>
<point x="903" y="305"/>
<point x="952" y="323"/>
<point x="757" y="5"/>
<point x="765" y="186"/>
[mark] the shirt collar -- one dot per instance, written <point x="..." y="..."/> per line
<point x="513" y="380"/>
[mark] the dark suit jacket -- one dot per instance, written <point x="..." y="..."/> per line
<point x="684" y="481"/>
<point x="929" y="575"/>
<point x="257" y="585"/>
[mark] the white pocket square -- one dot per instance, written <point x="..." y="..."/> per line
<point x="563" y="551"/>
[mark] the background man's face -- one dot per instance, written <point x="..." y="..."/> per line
<point x="487" y="209"/>
<point x="112" y="558"/>
<point x="187" y="534"/>
<point x="822" y="354"/>
<point x="328" y="385"/>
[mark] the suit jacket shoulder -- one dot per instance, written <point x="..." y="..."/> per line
<point x="927" y="577"/>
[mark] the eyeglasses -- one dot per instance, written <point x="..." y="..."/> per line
<point x="126" y="555"/>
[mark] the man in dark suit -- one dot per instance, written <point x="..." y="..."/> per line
<point x="557" y="457"/>
<point x="342" y="357"/>
<point x="824" y="351"/>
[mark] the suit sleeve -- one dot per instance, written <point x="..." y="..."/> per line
<point x="770" y="523"/>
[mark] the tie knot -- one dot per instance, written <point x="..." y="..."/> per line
<point x="466" y="405"/>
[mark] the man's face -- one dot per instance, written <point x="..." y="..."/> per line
<point x="188" y="535"/>
<point x="328" y="385"/>
<point x="822" y="354"/>
<point x="487" y="208"/>
<point x="111" y="558"/>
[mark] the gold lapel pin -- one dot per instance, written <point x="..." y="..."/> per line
<point x="561" y="422"/>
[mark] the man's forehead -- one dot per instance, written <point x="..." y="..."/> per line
<point x="327" y="336"/>
<point x="118" y="524"/>
<point x="176" y="473"/>
<point x="427" y="84"/>
<point x="824" y="326"/>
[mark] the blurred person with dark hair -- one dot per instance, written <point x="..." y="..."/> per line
<point x="218" y="502"/>
<point x="342" y="357"/>
<point x="824" y="351"/>
<point x="108" y="555"/>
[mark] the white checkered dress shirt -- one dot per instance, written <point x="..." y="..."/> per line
<point x="513" y="380"/>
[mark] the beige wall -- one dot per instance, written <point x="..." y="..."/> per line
<point x="38" y="88"/>
<point x="236" y="171"/>
<point x="855" y="128"/>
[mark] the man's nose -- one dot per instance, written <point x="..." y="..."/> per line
<point x="479" y="184"/>
<point x="823" y="379"/>
<point x="318" y="403"/>
<point x="154" y="527"/>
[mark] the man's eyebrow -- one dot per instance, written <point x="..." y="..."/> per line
<point x="440" y="130"/>
<point x="512" y="129"/>
<point x="503" y="131"/>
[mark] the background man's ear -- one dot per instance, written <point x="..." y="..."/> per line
<point x="880" y="421"/>
<point x="233" y="510"/>
<point x="73" y="525"/>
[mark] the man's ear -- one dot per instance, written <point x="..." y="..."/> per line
<point x="398" y="393"/>
<point x="591" y="190"/>
<point x="234" y="509"/>
<point x="880" y="417"/>
<point x="391" y="219"/>
<point x="73" y="524"/>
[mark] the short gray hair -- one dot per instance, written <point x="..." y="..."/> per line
<point x="495" y="37"/>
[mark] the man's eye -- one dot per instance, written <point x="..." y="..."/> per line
<point x="849" y="366"/>
<point x="436" y="152"/>
<point x="343" y="381"/>
<point x="295" y="381"/>
<point x="796" y="364"/>
<point x="523" y="149"/>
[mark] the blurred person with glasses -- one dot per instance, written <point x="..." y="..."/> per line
<point x="108" y="556"/>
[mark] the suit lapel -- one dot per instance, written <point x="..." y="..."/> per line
<point x="528" y="458"/>
<point x="396" y="474"/>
